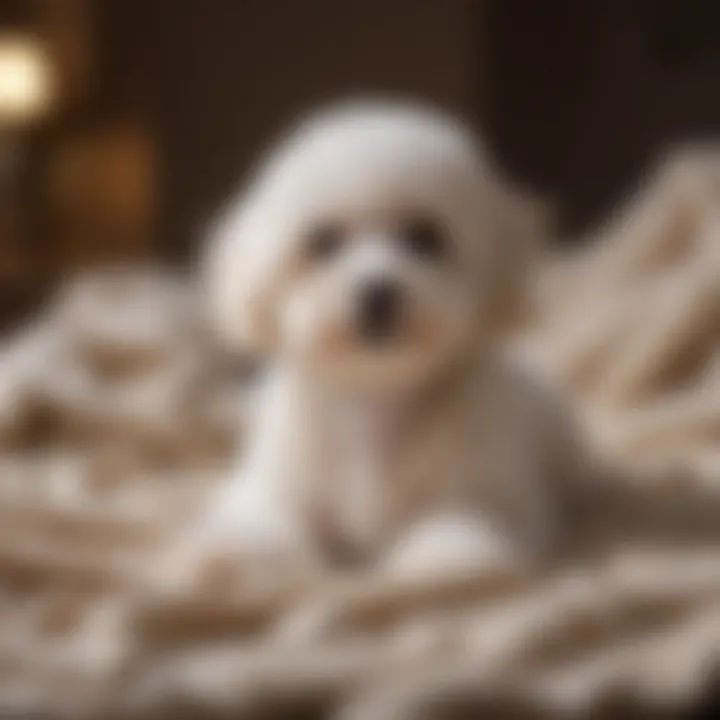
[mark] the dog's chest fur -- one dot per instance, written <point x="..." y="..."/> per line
<point x="383" y="461"/>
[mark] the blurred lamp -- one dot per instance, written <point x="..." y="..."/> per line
<point x="24" y="79"/>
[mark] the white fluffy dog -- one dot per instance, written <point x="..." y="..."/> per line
<point x="374" y="260"/>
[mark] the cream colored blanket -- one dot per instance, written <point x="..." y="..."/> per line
<point x="117" y="414"/>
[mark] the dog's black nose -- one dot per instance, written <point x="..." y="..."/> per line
<point x="380" y="306"/>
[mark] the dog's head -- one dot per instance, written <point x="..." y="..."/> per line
<point x="375" y="244"/>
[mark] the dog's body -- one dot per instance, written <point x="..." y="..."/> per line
<point x="484" y="453"/>
<point x="372" y="260"/>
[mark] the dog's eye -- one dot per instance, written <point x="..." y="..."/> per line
<point x="324" y="242"/>
<point x="425" y="238"/>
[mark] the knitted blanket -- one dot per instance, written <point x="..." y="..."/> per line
<point x="118" y="414"/>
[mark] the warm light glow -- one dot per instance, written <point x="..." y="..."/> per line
<point x="24" y="79"/>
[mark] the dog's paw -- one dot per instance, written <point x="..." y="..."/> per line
<point x="447" y="545"/>
<point x="253" y="551"/>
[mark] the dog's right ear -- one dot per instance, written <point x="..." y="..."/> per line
<point x="522" y="224"/>
<point x="237" y="280"/>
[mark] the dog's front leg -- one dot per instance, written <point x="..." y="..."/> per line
<point x="254" y="525"/>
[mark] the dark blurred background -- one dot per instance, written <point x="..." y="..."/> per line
<point x="123" y="123"/>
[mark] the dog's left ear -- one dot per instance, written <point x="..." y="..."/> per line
<point x="236" y="274"/>
<point x="522" y="226"/>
